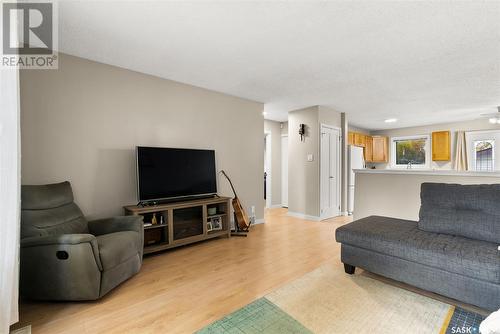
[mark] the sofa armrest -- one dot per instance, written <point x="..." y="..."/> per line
<point x="63" y="242"/>
<point x="116" y="224"/>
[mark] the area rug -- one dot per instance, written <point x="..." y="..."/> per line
<point x="329" y="301"/>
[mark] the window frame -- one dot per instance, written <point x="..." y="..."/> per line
<point x="471" y="137"/>
<point x="427" y="148"/>
<point x="492" y="142"/>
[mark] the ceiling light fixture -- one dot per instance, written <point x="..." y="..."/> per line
<point x="493" y="118"/>
<point x="391" y="120"/>
<point x="264" y="113"/>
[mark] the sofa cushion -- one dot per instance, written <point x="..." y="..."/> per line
<point x="402" y="238"/>
<point x="116" y="248"/>
<point x="471" y="211"/>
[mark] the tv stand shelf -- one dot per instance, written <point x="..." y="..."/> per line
<point x="184" y="222"/>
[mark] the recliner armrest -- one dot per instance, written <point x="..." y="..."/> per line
<point x="64" y="240"/>
<point x="116" y="224"/>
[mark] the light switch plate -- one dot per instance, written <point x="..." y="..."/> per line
<point x="310" y="157"/>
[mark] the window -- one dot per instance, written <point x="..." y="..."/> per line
<point x="414" y="151"/>
<point x="483" y="155"/>
<point x="482" y="150"/>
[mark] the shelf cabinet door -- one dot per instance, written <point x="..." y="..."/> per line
<point x="379" y="149"/>
<point x="188" y="222"/>
<point x="441" y="146"/>
<point x="369" y="149"/>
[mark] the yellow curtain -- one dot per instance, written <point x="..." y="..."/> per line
<point x="461" y="152"/>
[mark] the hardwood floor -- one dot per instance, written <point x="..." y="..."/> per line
<point x="182" y="290"/>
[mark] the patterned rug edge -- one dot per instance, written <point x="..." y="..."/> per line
<point x="264" y="315"/>
<point x="256" y="319"/>
<point x="259" y="316"/>
<point x="447" y="320"/>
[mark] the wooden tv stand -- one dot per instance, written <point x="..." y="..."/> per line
<point x="183" y="222"/>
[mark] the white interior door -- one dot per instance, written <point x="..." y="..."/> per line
<point x="329" y="172"/>
<point x="284" y="171"/>
<point x="268" y="169"/>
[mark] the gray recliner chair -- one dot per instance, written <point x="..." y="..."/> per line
<point x="66" y="257"/>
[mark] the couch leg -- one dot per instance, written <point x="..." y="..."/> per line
<point x="349" y="269"/>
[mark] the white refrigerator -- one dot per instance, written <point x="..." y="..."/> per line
<point x="356" y="160"/>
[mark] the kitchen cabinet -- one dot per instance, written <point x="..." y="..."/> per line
<point x="379" y="149"/>
<point x="350" y="138"/>
<point x="359" y="139"/>
<point x="441" y="150"/>
<point x="374" y="147"/>
<point x="369" y="149"/>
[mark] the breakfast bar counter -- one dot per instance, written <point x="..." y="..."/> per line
<point x="396" y="192"/>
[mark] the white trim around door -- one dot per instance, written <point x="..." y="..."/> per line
<point x="330" y="171"/>
<point x="268" y="168"/>
<point x="284" y="171"/>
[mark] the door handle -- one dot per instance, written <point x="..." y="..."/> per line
<point x="332" y="177"/>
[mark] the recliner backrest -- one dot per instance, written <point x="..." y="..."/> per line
<point x="50" y="210"/>
<point x="471" y="211"/>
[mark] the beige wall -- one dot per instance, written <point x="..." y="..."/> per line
<point x="303" y="175"/>
<point x="358" y="130"/>
<point x="396" y="195"/>
<point x="274" y="128"/>
<point x="284" y="128"/>
<point x="82" y="122"/>
<point x="329" y="116"/>
<point x="481" y="124"/>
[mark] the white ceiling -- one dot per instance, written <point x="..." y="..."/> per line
<point x="419" y="62"/>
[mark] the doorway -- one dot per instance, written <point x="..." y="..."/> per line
<point x="329" y="172"/>
<point x="284" y="171"/>
<point x="267" y="170"/>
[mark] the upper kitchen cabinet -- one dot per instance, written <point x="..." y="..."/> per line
<point x="368" y="151"/>
<point x="350" y="138"/>
<point x="441" y="148"/>
<point x="359" y="139"/>
<point x="379" y="149"/>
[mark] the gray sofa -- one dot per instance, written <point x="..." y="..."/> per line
<point x="452" y="250"/>
<point x="66" y="257"/>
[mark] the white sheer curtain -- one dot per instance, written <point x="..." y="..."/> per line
<point x="9" y="197"/>
<point x="461" y="152"/>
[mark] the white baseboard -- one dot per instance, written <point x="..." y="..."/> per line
<point x="257" y="222"/>
<point x="303" y="216"/>
<point x="24" y="330"/>
<point x="275" y="206"/>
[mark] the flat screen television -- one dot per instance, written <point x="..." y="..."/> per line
<point x="175" y="173"/>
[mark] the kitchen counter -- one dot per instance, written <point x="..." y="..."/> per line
<point x="396" y="193"/>
<point x="415" y="171"/>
